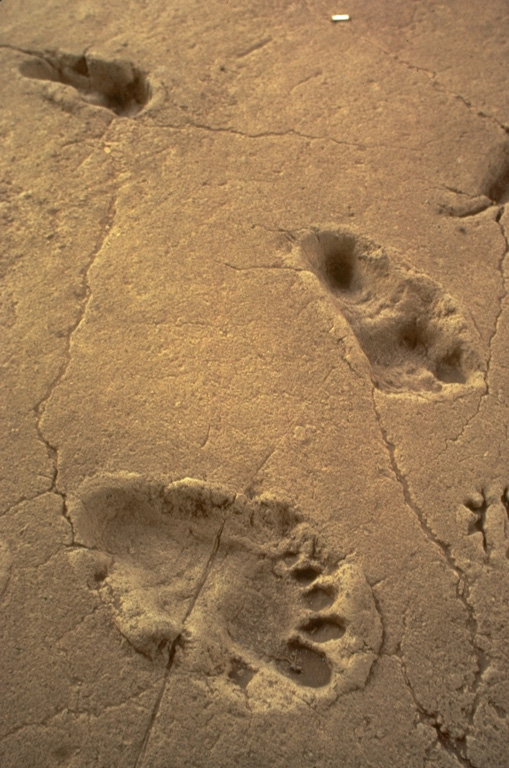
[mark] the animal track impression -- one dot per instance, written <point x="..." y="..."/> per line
<point x="411" y="331"/>
<point x="115" y="85"/>
<point x="242" y="587"/>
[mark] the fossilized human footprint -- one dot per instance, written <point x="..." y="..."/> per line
<point x="411" y="331"/>
<point x="241" y="583"/>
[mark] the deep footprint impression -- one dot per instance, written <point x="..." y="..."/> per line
<point x="411" y="331"/>
<point x="241" y="585"/>
<point x="116" y="85"/>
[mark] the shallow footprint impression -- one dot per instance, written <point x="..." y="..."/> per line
<point x="116" y="85"/>
<point x="410" y="329"/>
<point x="254" y="601"/>
<point x="146" y="546"/>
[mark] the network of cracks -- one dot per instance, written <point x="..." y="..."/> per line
<point x="187" y="565"/>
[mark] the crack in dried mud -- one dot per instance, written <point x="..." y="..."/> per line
<point x="445" y="556"/>
<point x="40" y="407"/>
<point x="503" y="297"/>
<point x="437" y="84"/>
<point x="454" y="747"/>
<point x="23" y="499"/>
<point x="249" y="485"/>
<point x="106" y="226"/>
<point x="173" y="648"/>
<point x="402" y="481"/>
<point x="278" y="134"/>
<point x="501" y="267"/>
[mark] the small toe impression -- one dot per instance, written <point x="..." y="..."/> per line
<point x="322" y="629"/>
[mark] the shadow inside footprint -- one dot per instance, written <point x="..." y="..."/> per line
<point x="322" y="630"/>
<point x="339" y="262"/>
<point x="318" y="598"/>
<point x="305" y="666"/>
<point x="409" y="328"/>
<point x="496" y="183"/>
<point x="306" y="575"/>
<point x="116" y="85"/>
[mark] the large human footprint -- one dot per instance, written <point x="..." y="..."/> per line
<point x="411" y="331"/>
<point x="242" y="584"/>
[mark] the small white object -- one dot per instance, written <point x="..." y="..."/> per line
<point x="340" y="17"/>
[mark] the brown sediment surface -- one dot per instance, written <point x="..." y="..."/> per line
<point x="254" y="310"/>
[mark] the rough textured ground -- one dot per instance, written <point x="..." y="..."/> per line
<point x="254" y="368"/>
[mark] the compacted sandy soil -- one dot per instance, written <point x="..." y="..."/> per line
<point x="255" y="397"/>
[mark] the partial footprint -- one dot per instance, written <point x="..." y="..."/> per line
<point x="150" y="546"/>
<point x="484" y="521"/>
<point x="116" y="85"/>
<point x="243" y="585"/>
<point x="411" y="331"/>
<point x="299" y="613"/>
<point x="496" y="182"/>
<point x="493" y="189"/>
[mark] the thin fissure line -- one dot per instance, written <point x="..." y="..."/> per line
<point x="173" y="648"/>
<point x="434" y="77"/>
<point x="434" y="539"/>
<point x="40" y="406"/>
<point x="280" y="441"/>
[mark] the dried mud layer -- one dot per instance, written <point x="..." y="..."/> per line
<point x="254" y="508"/>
